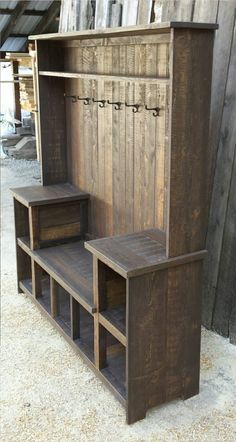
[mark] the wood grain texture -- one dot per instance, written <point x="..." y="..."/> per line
<point x="152" y="28"/>
<point x="205" y="11"/>
<point x="144" y="11"/>
<point x="146" y="310"/>
<point x="222" y="48"/>
<point x="43" y="195"/>
<point x="189" y="151"/>
<point x="54" y="304"/>
<point x="221" y="189"/>
<point x="130" y="12"/>
<point x="99" y="301"/>
<point x="106" y="165"/>
<point x="102" y="14"/>
<point x="36" y="279"/>
<point x="222" y="321"/>
<point x="34" y="227"/>
<point x="163" y="337"/>
<point x="52" y="116"/>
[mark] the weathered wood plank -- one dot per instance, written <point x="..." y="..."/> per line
<point x="130" y="12"/>
<point x="116" y="15"/>
<point x="129" y="132"/>
<point x="205" y="11"/>
<point x="102" y="14"/>
<point x="224" y="321"/>
<point x="144" y="12"/>
<point x="52" y="115"/>
<point x="221" y="186"/>
<point x="180" y="10"/>
<point x="99" y="293"/>
<point x="222" y="48"/>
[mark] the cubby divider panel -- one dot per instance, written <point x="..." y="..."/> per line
<point x="44" y="297"/>
<point x="83" y="323"/>
<point x="115" y="369"/>
<point x="62" y="308"/>
<point x="24" y="270"/>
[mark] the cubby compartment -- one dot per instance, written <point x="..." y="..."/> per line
<point x="24" y="270"/>
<point x="114" y="363"/>
<point x="113" y="304"/>
<point x="83" y="329"/>
<point x="42" y="287"/>
<point x="21" y="221"/>
<point x="60" y="306"/>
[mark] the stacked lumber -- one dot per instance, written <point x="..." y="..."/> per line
<point x="27" y="93"/>
<point x="77" y="15"/>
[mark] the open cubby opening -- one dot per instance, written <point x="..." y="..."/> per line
<point x="83" y="329"/>
<point x="43" y="296"/>
<point x="24" y="270"/>
<point x="22" y="221"/>
<point x="115" y="367"/>
<point x="115" y="300"/>
<point x="62" y="314"/>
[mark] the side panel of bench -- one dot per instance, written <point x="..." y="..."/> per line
<point x="163" y="337"/>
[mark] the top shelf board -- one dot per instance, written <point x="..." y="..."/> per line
<point x="124" y="31"/>
<point x="41" y="195"/>
<point x="150" y="80"/>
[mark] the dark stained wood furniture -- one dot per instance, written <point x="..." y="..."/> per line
<point x="111" y="246"/>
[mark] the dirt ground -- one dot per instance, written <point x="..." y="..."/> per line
<point x="49" y="394"/>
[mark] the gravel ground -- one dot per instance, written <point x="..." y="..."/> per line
<point x="48" y="393"/>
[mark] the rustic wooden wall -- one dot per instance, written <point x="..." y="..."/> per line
<point x="219" y="298"/>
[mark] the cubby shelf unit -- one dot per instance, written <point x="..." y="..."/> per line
<point x="110" y="247"/>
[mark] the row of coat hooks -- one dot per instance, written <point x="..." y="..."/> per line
<point x="117" y="104"/>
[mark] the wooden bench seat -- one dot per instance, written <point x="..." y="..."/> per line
<point x="70" y="265"/>
<point x="136" y="253"/>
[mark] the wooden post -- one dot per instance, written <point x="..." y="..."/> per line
<point x="54" y="298"/>
<point x="75" y="318"/>
<point x="99" y="294"/>
<point x="15" y="65"/>
<point x="34" y="227"/>
<point x="36" y="279"/>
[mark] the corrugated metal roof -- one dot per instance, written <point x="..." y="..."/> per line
<point x="8" y="5"/>
<point x="15" y="44"/>
<point x="3" y="21"/>
<point x="26" y="23"/>
<point x="39" y="5"/>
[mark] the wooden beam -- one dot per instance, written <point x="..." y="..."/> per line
<point x="31" y="12"/>
<point x="18" y="35"/>
<point x="48" y="17"/>
<point x="15" y="65"/>
<point x="14" y="17"/>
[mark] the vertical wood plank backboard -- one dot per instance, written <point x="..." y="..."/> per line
<point x="119" y="157"/>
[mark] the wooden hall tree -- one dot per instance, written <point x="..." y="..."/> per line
<point x="111" y="246"/>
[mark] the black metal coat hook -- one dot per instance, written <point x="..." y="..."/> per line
<point x="134" y="106"/>
<point x="117" y="104"/>
<point x="101" y="102"/>
<point x="86" y="100"/>
<point x="73" y="98"/>
<point x="156" y="110"/>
